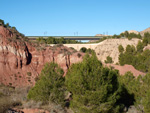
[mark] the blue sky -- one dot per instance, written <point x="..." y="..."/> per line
<point x="75" y="17"/>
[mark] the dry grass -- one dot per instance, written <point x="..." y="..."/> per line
<point x="50" y="107"/>
<point x="11" y="97"/>
<point x="32" y="104"/>
<point x="6" y="102"/>
<point x="54" y="108"/>
<point x="17" y="97"/>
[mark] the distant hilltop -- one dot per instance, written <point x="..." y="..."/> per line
<point x="141" y="32"/>
<point x="131" y="31"/>
<point x="144" y="31"/>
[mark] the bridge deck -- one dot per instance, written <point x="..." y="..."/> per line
<point x="69" y="37"/>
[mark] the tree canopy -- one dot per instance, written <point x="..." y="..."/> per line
<point x="52" y="40"/>
<point x="50" y="86"/>
<point x="138" y="87"/>
<point x="94" y="88"/>
<point x="120" y="48"/>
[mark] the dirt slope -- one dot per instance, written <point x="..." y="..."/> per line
<point x="109" y="47"/>
<point x="125" y="68"/>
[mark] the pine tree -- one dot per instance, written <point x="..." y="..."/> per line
<point x="94" y="88"/>
<point x="50" y="86"/>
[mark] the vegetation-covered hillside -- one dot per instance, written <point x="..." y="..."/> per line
<point x="136" y="56"/>
<point x="92" y="88"/>
<point x="52" y="40"/>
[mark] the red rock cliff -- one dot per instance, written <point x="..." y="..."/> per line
<point x="22" y="61"/>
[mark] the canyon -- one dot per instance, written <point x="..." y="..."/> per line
<point x="21" y="61"/>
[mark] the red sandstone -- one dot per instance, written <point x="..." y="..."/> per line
<point x="21" y="61"/>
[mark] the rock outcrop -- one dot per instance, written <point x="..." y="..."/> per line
<point x="109" y="47"/>
<point x="22" y="61"/>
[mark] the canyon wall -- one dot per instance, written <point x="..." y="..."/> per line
<point x="22" y="61"/>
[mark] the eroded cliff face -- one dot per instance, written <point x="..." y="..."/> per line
<point x="21" y="61"/>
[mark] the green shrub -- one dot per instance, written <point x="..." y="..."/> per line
<point x="140" y="47"/>
<point x="50" y="86"/>
<point x="1" y="22"/>
<point x="136" y="57"/>
<point x="109" y="60"/>
<point x="138" y="87"/>
<point x="130" y="35"/>
<point x="120" y="48"/>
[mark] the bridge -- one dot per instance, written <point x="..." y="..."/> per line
<point x="79" y="46"/>
<point x="68" y="37"/>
